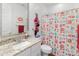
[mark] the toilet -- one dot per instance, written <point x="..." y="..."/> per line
<point x="45" y="50"/>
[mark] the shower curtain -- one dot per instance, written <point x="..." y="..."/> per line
<point x="59" y="30"/>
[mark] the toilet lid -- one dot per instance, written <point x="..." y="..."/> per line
<point x="46" y="47"/>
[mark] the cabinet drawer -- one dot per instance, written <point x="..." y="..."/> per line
<point x="36" y="49"/>
<point x="24" y="53"/>
<point x="36" y="54"/>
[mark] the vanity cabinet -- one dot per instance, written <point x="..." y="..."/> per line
<point x="34" y="50"/>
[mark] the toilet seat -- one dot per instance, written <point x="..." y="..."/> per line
<point x="46" y="49"/>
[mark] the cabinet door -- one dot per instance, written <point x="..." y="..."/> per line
<point x="24" y="53"/>
<point x="36" y="49"/>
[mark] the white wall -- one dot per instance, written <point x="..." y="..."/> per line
<point x="0" y="19"/>
<point x="10" y="13"/>
<point x="47" y="8"/>
<point x="63" y="7"/>
<point x="41" y="9"/>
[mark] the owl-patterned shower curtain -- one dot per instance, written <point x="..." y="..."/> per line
<point x="59" y="30"/>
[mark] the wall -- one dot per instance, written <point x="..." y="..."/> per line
<point x="39" y="8"/>
<point x="10" y="14"/>
<point x="0" y="19"/>
<point x="63" y="7"/>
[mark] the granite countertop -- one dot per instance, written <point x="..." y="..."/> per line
<point x="8" y="50"/>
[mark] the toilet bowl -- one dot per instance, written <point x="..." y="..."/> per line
<point x="45" y="50"/>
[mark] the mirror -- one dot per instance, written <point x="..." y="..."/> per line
<point x="13" y="18"/>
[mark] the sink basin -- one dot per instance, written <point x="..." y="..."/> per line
<point x="21" y="45"/>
